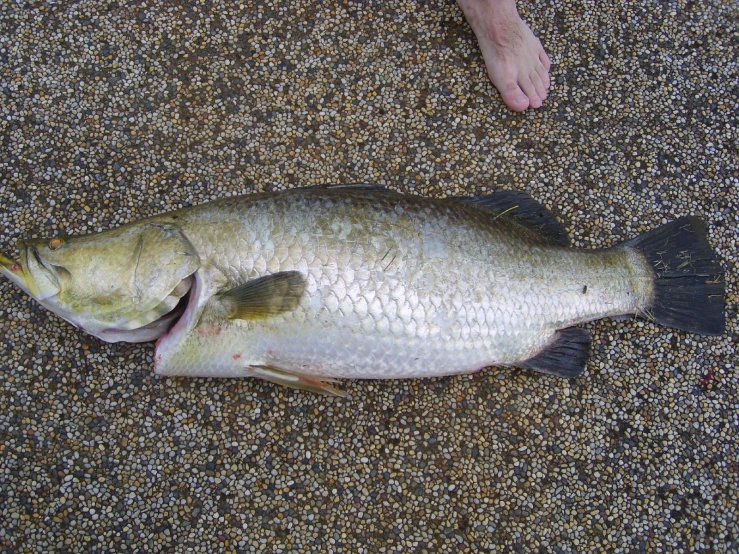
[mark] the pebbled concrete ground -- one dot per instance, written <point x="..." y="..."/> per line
<point x="111" y="113"/>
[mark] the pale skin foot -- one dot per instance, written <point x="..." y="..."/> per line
<point x="516" y="62"/>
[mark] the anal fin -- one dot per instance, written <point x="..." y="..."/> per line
<point x="296" y="381"/>
<point x="566" y="356"/>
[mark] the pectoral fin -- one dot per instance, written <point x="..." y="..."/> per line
<point x="264" y="297"/>
<point x="295" y="381"/>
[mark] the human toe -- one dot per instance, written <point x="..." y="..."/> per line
<point x="529" y="88"/>
<point x="543" y="75"/>
<point x="540" y="85"/>
<point x="544" y="59"/>
<point x="514" y="97"/>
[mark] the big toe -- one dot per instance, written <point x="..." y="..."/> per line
<point x="514" y="97"/>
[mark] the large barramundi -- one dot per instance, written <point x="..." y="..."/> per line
<point x="311" y="285"/>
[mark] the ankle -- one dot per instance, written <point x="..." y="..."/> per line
<point x="496" y="20"/>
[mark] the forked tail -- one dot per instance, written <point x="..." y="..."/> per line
<point x="689" y="282"/>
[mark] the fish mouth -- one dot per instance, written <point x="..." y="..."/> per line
<point x="31" y="273"/>
<point x="13" y="271"/>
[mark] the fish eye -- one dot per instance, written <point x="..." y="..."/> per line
<point x="56" y="243"/>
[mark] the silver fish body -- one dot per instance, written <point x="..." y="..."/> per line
<point x="379" y="285"/>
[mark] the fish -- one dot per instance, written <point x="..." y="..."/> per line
<point x="309" y="286"/>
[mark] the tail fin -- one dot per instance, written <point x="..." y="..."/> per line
<point x="689" y="282"/>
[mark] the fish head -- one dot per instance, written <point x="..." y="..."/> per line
<point x="123" y="284"/>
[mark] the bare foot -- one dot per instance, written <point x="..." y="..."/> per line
<point x="516" y="62"/>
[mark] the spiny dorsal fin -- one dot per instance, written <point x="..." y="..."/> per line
<point x="264" y="297"/>
<point x="524" y="210"/>
<point x="295" y="381"/>
<point x="566" y="356"/>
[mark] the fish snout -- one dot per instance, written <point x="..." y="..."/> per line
<point x="13" y="270"/>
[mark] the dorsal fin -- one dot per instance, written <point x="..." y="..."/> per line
<point x="523" y="209"/>
<point x="264" y="297"/>
<point x="353" y="186"/>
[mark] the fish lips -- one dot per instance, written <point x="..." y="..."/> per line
<point x="36" y="277"/>
<point x="41" y="278"/>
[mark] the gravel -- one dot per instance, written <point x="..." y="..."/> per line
<point x="109" y="114"/>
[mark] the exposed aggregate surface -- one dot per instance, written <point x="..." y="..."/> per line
<point x="111" y="113"/>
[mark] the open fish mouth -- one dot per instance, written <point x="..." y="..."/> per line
<point x="15" y="272"/>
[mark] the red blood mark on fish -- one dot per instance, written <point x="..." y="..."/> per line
<point x="237" y="356"/>
<point x="15" y="267"/>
